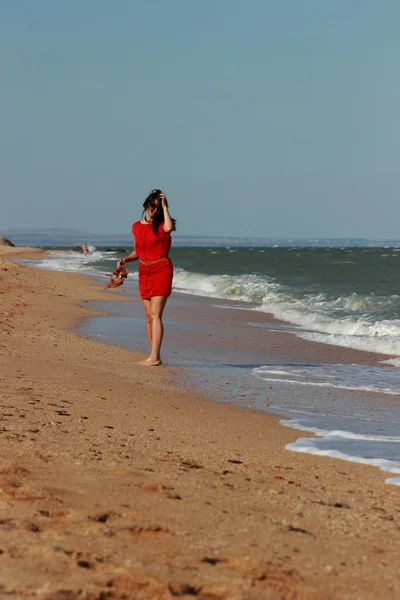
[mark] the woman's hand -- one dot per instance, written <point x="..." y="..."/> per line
<point x="130" y="258"/>
<point x="163" y="199"/>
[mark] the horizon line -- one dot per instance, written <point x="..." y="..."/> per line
<point x="21" y="231"/>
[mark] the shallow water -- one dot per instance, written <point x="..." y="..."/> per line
<point x="343" y="296"/>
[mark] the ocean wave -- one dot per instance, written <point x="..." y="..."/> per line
<point x="395" y="362"/>
<point x="311" y="446"/>
<point x="372" y="342"/>
<point x="351" y="377"/>
<point x="74" y="262"/>
<point x="246" y="288"/>
<point x="353" y="321"/>
<point x="338" y="435"/>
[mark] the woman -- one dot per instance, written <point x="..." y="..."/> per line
<point x="152" y="241"/>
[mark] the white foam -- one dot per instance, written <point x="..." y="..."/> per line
<point x="309" y="446"/>
<point x="295" y="425"/>
<point x="352" y="377"/>
<point x="246" y="288"/>
<point x="340" y="435"/>
<point x="391" y="361"/>
<point x="384" y="344"/>
<point x="324" y="324"/>
<point x="73" y="261"/>
<point x="393" y="480"/>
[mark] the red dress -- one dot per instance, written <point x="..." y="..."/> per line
<point x="155" y="279"/>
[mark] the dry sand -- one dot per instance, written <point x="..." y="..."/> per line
<point x="114" y="483"/>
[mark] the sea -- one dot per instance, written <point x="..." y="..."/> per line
<point x="339" y="294"/>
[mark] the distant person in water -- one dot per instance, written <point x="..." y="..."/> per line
<point x="152" y="241"/>
<point x="85" y="248"/>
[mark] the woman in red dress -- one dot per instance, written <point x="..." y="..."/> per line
<point x="152" y="241"/>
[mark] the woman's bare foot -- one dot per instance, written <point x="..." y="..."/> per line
<point x="150" y="362"/>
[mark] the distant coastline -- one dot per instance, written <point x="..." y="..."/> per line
<point x="71" y="237"/>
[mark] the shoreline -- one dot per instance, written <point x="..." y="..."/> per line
<point x="213" y="349"/>
<point x="117" y="481"/>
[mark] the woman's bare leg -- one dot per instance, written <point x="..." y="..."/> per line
<point x="155" y="329"/>
<point x="147" y="309"/>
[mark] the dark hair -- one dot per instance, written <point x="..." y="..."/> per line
<point x="159" y="214"/>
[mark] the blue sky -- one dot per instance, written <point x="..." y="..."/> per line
<point x="258" y="118"/>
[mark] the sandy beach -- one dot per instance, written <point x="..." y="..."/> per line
<point x="115" y="483"/>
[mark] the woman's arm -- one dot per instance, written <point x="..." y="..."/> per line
<point x="168" y="224"/>
<point x="130" y="258"/>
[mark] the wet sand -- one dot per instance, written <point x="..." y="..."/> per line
<point x="214" y="345"/>
<point x="117" y="483"/>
